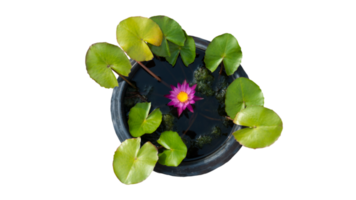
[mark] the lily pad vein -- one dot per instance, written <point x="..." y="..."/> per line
<point x="128" y="30"/>
<point x="100" y="57"/>
<point x="130" y="172"/>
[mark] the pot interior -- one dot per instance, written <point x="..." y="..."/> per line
<point x="203" y="131"/>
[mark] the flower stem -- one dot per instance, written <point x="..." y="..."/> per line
<point x="221" y="69"/>
<point x="164" y="83"/>
<point x="142" y="97"/>
<point x="212" y="111"/>
<point x="149" y="71"/>
<point x="152" y="74"/>
<point x="125" y="79"/>
<point x="181" y="67"/>
<point x="191" y="123"/>
<point x="137" y="94"/>
<point x="210" y="118"/>
<point x="227" y="117"/>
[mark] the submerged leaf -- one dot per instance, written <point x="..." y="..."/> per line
<point x="203" y="74"/>
<point x="140" y="122"/>
<point x="132" y="164"/>
<point x="224" y="48"/>
<point x="169" y="121"/>
<point x="242" y="92"/>
<point x="101" y="59"/>
<point x="203" y="140"/>
<point x="264" y="127"/>
<point x="176" y="149"/>
<point x="220" y="95"/>
<point x="204" y="80"/>
<point x="216" y="131"/>
<point x="133" y="33"/>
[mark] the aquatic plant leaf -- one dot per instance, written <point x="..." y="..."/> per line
<point x="140" y="122"/>
<point x="174" y="50"/>
<point x="162" y="50"/>
<point x="133" y="33"/>
<point x="101" y="59"/>
<point x="224" y="48"/>
<point x="242" y="92"/>
<point x="132" y="164"/>
<point x="264" y="127"/>
<point x="172" y="32"/>
<point x="175" y="151"/>
<point x="187" y="52"/>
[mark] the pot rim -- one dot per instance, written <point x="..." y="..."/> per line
<point x="188" y="168"/>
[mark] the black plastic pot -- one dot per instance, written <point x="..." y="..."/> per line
<point x="187" y="168"/>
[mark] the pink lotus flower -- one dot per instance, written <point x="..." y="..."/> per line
<point x="182" y="97"/>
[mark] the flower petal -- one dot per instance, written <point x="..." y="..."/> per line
<point x="180" y="104"/>
<point x="197" y="98"/>
<point x="171" y="103"/>
<point x="176" y="90"/>
<point x="175" y="100"/>
<point x="191" y="96"/>
<point x="180" y="110"/>
<point x="185" y="86"/>
<point x="168" y="96"/>
<point x="185" y="105"/>
<point x="188" y="90"/>
<point x="190" y="108"/>
<point x="194" y="86"/>
<point x="173" y="94"/>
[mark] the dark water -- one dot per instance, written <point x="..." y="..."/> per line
<point x="202" y="137"/>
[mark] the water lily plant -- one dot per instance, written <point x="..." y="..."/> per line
<point x="182" y="97"/>
<point x="141" y="38"/>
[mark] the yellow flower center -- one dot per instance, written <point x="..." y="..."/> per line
<point x="182" y="97"/>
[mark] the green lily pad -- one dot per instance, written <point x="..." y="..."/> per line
<point x="172" y="32"/>
<point x="187" y="52"/>
<point x="264" y="127"/>
<point x="242" y="92"/>
<point x="132" y="164"/>
<point x="101" y="59"/>
<point x="140" y="122"/>
<point x="174" y="50"/>
<point x="134" y="33"/>
<point x="224" y="48"/>
<point x="176" y="149"/>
